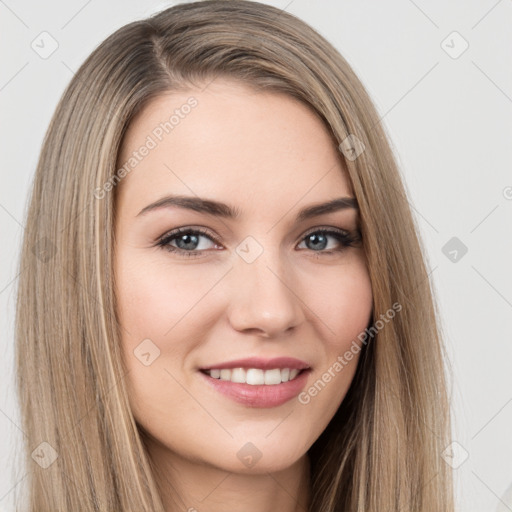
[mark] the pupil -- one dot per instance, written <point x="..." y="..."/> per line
<point x="187" y="239"/>
<point x="314" y="240"/>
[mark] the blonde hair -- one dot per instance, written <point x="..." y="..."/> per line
<point x="382" y="449"/>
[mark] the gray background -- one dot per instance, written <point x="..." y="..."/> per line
<point x="450" y="120"/>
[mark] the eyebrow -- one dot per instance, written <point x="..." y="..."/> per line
<point x="218" y="209"/>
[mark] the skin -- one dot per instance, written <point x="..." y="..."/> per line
<point x="269" y="156"/>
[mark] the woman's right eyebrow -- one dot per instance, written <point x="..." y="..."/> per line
<point x="219" y="209"/>
<point x="197" y="204"/>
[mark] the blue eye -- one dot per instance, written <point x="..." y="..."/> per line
<point x="192" y="242"/>
<point x="188" y="241"/>
<point x="318" y="240"/>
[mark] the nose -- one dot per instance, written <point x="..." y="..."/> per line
<point x="264" y="297"/>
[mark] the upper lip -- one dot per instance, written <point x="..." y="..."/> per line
<point x="261" y="363"/>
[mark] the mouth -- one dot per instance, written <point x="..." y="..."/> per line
<point x="255" y="387"/>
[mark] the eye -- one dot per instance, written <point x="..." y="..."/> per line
<point x="187" y="241"/>
<point x="318" y="240"/>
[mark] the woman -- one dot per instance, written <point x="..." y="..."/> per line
<point x="224" y="302"/>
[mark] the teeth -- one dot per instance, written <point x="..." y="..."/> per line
<point x="237" y="375"/>
<point x="225" y="374"/>
<point x="271" y="377"/>
<point x="255" y="376"/>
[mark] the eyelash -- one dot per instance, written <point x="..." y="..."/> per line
<point x="346" y="239"/>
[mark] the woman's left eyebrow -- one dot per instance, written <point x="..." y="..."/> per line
<point x="340" y="203"/>
<point x="220" y="209"/>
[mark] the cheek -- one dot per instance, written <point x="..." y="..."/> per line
<point x="157" y="300"/>
<point x="342" y="301"/>
<point x="165" y="313"/>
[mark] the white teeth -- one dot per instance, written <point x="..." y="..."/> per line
<point x="238" y="375"/>
<point x="293" y="373"/>
<point x="225" y="374"/>
<point x="270" y="376"/>
<point x="255" y="376"/>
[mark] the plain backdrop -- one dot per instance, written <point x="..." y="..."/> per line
<point x="440" y="75"/>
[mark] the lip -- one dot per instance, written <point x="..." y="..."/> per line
<point x="261" y="363"/>
<point x="262" y="396"/>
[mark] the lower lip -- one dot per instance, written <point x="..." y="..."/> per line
<point x="260" y="395"/>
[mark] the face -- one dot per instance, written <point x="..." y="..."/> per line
<point x="239" y="267"/>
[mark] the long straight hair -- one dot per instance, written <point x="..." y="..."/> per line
<point x="382" y="449"/>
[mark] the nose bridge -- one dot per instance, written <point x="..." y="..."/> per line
<point x="262" y="295"/>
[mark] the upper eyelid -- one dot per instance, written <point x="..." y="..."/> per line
<point x="326" y="229"/>
<point x="201" y="230"/>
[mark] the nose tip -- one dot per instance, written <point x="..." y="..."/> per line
<point x="264" y="301"/>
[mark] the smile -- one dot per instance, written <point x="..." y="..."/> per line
<point x="249" y="386"/>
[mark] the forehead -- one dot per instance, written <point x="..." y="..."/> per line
<point x="229" y="141"/>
